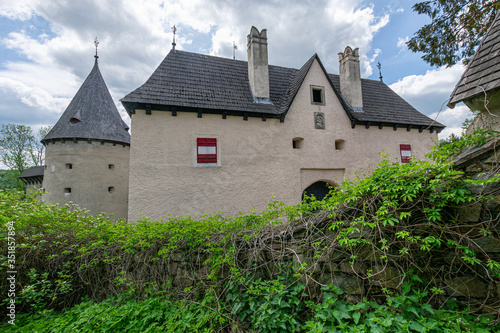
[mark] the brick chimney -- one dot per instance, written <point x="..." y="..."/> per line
<point x="350" y="77"/>
<point x="258" y="69"/>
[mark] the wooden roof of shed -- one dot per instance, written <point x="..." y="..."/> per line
<point x="483" y="72"/>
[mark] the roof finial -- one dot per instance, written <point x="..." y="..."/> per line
<point x="174" y="29"/>
<point x="235" y="47"/>
<point x="379" y="65"/>
<point x="96" y="43"/>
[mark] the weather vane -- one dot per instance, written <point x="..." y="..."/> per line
<point x="379" y="65"/>
<point x="234" y="50"/>
<point x="174" y="29"/>
<point x="96" y="43"/>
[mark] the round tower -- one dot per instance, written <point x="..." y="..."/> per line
<point x="87" y="152"/>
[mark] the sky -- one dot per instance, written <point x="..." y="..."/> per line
<point x="47" y="47"/>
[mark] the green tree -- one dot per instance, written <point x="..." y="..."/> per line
<point x="456" y="29"/>
<point x="20" y="149"/>
<point x="38" y="153"/>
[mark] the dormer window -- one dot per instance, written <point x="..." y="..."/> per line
<point x="317" y="95"/>
<point x="74" y="120"/>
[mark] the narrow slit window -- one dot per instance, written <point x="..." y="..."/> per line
<point x="405" y="153"/>
<point x="339" y="144"/>
<point x="207" y="150"/>
<point x="69" y="166"/>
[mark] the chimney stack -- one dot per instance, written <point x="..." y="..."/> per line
<point x="258" y="68"/>
<point x="350" y="77"/>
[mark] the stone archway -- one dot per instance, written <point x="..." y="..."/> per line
<point x="319" y="189"/>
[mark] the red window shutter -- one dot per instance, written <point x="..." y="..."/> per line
<point x="405" y="153"/>
<point x="207" y="150"/>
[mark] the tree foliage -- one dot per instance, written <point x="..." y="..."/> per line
<point x="456" y="29"/>
<point x="20" y="148"/>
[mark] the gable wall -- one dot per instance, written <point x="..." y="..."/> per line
<point x="257" y="160"/>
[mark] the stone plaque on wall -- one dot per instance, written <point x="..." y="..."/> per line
<point x="319" y="120"/>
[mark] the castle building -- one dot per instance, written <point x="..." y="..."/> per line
<point x="211" y="134"/>
<point x="87" y="152"/>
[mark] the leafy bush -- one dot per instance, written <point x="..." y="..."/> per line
<point x="263" y="271"/>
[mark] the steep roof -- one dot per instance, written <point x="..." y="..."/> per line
<point x="92" y="114"/>
<point x="193" y="82"/>
<point x="483" y="72"/>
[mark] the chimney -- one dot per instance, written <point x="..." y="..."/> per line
<point x="350" y="77"/>
<point x="258" y="71"/>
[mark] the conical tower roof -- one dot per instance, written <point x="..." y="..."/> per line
<point x="92" y="114"/>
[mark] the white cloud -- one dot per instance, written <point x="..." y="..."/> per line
<point x="441" y="80"/>
<point x="402" y="42"/>
<point x="433" y="88"/>
<point x="136" y="35"/>
<point x="16" y="10"/>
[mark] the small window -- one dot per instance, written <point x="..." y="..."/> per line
<point x="339" y="144"/>
<point x="297" y="143"/>
<point x="111" y="166"/>
<point x="74" y="120"/>
<point x="206" y="150"/>
<point x="317" y="95"/>
<point x="405" y="153"/>
<point x="111" y="189"/>
<point x="69" y="166"/>
<point x="67" y="190"/>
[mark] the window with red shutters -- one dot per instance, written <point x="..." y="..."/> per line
<point x="405" y="153"/>
<point x="207" y="150"/>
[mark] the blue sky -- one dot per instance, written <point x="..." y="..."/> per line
<point x="46" y="46"/>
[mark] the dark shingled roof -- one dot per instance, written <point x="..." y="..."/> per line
<point x="32" y="175"/>
<point x="193" y="82"/>
<point x="92" y="114"/>
<point x="483" y="72"/>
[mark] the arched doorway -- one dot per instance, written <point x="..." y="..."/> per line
<point x="319" y="189"/>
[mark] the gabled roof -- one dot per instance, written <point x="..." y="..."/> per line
<point x="91" y="115"/>
<point x="193" y="82"/>
<point x="483" y="72"/>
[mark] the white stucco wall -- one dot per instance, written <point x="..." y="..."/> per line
<point x="90" y="177"/>
<point x="257" y="161"/>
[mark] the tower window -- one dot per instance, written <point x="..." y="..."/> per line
<point x="67" y="190"/>
<point x="297" y="143"/>
<point x="339" y="144"/>
<point x="69" y="166"/>
<point x="111" y="166"/>
<point x="317" y="95"/>
<point x="111" y="189"/>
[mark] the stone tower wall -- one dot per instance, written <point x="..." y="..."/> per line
<point x="93" y="174"/>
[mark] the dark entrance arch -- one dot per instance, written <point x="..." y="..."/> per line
<point x="319" y="190"/>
